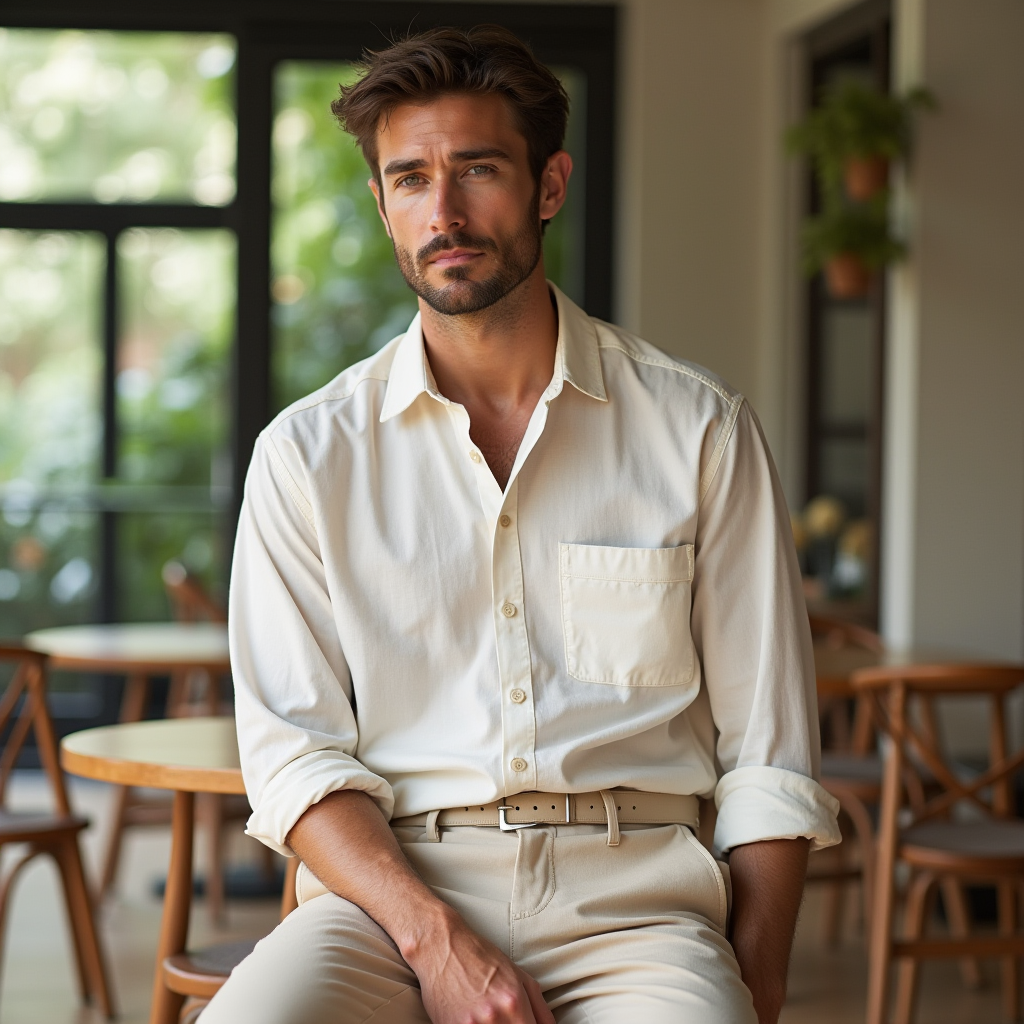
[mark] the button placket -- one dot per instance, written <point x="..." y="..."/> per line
<point x="513" y="647"/>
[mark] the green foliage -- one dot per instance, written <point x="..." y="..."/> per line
<point x="338" y="293"/>
<point x="112" y="117"/>
<point x="859" y="229"/>
<point x="854" y="120"/>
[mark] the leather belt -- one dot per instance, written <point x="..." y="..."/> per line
<point x="526" y="809"/>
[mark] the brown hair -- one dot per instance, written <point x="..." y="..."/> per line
<point x="484" y="59"/>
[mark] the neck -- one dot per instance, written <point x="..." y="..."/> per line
<point x="500" y="359"/>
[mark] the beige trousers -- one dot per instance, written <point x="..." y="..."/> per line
<point x="613" y="934"/>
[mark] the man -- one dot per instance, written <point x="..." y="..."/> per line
<point x="507" y="597"/>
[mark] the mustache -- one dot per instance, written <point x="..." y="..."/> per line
<point x="454" y="240"/>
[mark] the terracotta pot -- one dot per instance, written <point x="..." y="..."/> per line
<point x="847" y="277"/>
<point x="864" y="177"/>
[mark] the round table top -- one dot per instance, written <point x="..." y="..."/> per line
<point x="197" y="755"/>
<point x="136" y="646"/>
<point x="834" y="666"/>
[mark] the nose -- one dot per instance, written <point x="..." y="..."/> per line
<point x="448" y="213"/>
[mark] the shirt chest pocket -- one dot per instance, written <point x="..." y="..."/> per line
<point x="626" y="614"/>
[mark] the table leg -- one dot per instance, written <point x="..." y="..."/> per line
<point x="133" y="706"/>
<point x="166" y="1005"/>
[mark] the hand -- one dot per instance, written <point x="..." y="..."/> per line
<point x="465" y="980"/>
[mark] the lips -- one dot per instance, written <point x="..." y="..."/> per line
<point x="455" y="257"/>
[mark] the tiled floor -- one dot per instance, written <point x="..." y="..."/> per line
<point x="38" y="986"/>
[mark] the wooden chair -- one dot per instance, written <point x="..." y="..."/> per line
<point x="195" y="693"/>
<point x="918" y="828"/>
<point x="851" y="771"/>
<point x="23" y="709"/>
<point x="190" y="693"/>
<point x="199" y="975"/>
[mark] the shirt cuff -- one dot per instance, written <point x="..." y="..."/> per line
<point x="758" y="803"/>
<point x="304" y="782"/>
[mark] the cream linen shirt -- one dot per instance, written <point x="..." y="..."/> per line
<point x="627" y="613"/>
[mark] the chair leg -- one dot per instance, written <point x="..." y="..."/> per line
<point x="960" y="927"/>
<point x="133" y="706"/>
<point x="6" y="885"/>
<point x="115" y="840"/>
<point x="832" y="916"/>
<point x="83" y="924"/>
<point x="213" y="808"/>
<point x="1008" y="927"/>
<point x="908" y="972"/>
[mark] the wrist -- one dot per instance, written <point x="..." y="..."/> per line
<point x="426" y="927"/>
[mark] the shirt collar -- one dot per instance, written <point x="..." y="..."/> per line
<point x="577" y="360"/>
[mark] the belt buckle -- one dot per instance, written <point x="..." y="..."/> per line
<point x="507" y="826"/>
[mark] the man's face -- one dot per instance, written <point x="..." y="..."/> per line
<point x="459" y="200"/>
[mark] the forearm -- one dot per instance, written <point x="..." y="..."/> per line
<point x="767" y="885"/>
<point x="347" y="844"/>
<point x="345" y="841"/>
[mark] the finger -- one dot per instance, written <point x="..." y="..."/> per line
<point x="540" y="1008"/>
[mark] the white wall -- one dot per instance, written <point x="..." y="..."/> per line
<point x="688" y="179"/>
<point x="707" y="269"/>
<point x="956" y="463"/>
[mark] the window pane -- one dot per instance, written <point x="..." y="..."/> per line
<point x="147" y="540"/>
<point x="847" y="348"/>
<point x="50" y="358"/>
<point x="177" y="314"/>
<point x="50" y="426"/>
<point x="844" y="471"/>
<point x="116" y="117"/>
<point x="338" y="296"/>
<point x="177" y="320"/>
<point x="565" y="238"/>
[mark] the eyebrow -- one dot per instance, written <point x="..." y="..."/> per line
<point x="406" y="166"/>
<point x="480" y="154"/>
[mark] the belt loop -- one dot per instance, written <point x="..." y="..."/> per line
<point x="613" y="817"/>
<point x="433" y="836"/>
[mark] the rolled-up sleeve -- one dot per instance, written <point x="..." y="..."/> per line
<point x="297" y="732"/>
<point x="750" y="628"/>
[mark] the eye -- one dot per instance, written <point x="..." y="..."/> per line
<point x="480" y="169"/>
<point x="409" y="179"/>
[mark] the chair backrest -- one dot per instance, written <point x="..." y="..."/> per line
<point x="916" y="763"/>
<point x="837" y="634"/>
<point x="845" y="731"/>
<point x="189" y="599"/>
<point x="23" y="708"/>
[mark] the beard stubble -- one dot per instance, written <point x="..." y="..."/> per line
<point x="517" y="256"/>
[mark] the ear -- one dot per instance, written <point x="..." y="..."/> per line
<point x="554" y="183"/>
<point x="375" y="189"/>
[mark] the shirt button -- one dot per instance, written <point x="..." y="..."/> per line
<point x="518" y="696"/>
<point x="475" y="456"/>
<point x="505" y="520"/>
<point x="518" y="764"/>
<point x="508" y="609"/>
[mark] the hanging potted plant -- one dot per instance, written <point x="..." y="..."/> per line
<point x="850" y="242"/>
<point x="855" y="134"/>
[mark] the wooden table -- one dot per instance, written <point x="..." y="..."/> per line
<point x="137" y="650"/>
<point x="140" y="651"/>
<point x="188" y="756"/>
